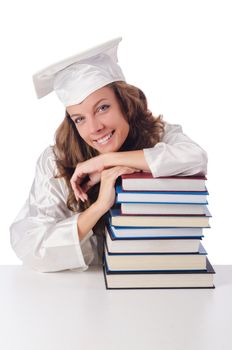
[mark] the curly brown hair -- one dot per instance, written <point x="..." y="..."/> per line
<point x="145" y="131"/>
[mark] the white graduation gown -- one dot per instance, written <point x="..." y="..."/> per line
<point x="44" y="234"/>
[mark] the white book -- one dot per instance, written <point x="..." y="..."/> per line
<point x="162" y="209"/>
<point x="164" y="279"/>
<point x="155" y="261"/>
<point x="152" y="245"/>
<point x="117" y="219"/>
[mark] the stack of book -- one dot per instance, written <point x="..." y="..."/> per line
<point x="154" y="234"/>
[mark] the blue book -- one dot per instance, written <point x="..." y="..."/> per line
<point x="155" y="245"/>
<point x="160" y="196"/>
<point x="131" y="233"/>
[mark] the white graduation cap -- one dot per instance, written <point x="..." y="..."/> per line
<point x="76" y="77"/>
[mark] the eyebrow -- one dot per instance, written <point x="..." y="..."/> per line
<point x="79" y="114"/>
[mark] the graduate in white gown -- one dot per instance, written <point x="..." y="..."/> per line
<point x="107" y="131"/>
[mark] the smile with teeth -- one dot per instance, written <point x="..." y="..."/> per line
<point x="104" y="139"/>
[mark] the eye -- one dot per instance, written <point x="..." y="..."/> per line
<point x="78" y="120"/>
<point x="103" y="108"/>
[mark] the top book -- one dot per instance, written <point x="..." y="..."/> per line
<point x="144" y="181"/>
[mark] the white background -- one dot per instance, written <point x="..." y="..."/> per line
<point x="177" y="52"/>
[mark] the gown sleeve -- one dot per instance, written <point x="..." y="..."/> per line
<point x="176" y="154"/>
<point x="44" y="234"/>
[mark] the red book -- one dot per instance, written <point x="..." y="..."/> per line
<point x="144" y="181"/>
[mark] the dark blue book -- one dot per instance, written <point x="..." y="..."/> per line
<point x="159" y="279"/>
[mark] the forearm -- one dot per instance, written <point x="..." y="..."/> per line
<point x="88" y="218"/>
<point x="134" y="159"/>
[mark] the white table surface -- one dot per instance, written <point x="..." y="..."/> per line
<point x="73" y="310"/>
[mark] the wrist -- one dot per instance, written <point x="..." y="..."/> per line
<point x="99" y="208"/>
<point x="107" y="159"/>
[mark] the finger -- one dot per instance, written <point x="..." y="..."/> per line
<point x="82" y="198"/>
<point x="78" y="196"/>
<point x="110" y="175"/>
<point x="127" y="169"/>
<point x="80" y="193"/>
<point x="76" y="187"/>
<point x="77" y="176"/>
<point x="76" y="192"/>
<point x="83" y="195"/>
<point x="134" y="170"/>
<point x="124" y="170"/>
<point x="86" y="187"/>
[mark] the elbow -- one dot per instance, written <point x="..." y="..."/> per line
<point x="203" y="162"/>
<point x="41" y="248"/>
<point x="23" y="249"/>
<point x="198" y="163"/>
<point x="15" y="241"/>
<point x="195" y="163"/>
<point x="30" y="249"/>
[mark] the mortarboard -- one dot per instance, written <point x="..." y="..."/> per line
<point x="76" y="77"/>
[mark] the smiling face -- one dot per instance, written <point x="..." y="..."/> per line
<point x="100" y="121"/>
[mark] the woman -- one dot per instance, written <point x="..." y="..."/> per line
<point x="107" y="131"/>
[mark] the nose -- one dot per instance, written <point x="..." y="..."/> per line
<point x="94" y="125"/>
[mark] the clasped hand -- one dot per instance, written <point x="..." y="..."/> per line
<point x="96" y="172"/>
<point x="91" y="168"/>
